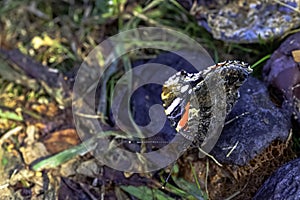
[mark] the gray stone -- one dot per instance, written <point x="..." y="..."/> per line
<point x="282" y="72"/>
<point x="283" y="184"/>
<point x="259" y="123"/>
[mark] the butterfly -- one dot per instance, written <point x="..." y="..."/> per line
<point x="188" y="102"/>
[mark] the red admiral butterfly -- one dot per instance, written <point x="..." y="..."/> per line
<point x="187" y="101"/>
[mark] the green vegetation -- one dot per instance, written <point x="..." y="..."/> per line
<point x="60" y="34"/>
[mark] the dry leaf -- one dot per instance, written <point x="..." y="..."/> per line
<point x="296" y="55"/>
<point x="61" y="140"/>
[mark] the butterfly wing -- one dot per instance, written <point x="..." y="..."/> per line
<point x="177" y="94"/>
<point x="190" y="99"/>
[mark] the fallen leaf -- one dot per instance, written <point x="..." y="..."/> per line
<point x="33" y="152"/>
<point x="61" y="140"/>
<point x="296" y="55"/>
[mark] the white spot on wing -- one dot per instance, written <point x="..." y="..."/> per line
<point x="173" y="105"/>
<point x="184" y="88"/>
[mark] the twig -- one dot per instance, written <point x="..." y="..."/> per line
<point x="233" y="148"/>
<point x="88" y="115"/>
<point x="236" y="193"/>
<point x="9" y="133"/>
<point x="236" y="117"/>
<point x="86" y="190"/>
<point x="34" y="10"/>
<point x="287" y="5"/>
<point x="206" y="177"/>
<point x="4" y="186"/>
<point x="213" y="158"/>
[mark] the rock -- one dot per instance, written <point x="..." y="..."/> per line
<point x="283" y="184"/>
<point x="259" y="123"/>
<point x="282" y="72"/>
<point x="252" y="145"/>
<point x="261" y="20"/>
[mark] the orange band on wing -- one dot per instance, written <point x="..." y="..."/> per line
<point x="184" y="119"/>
